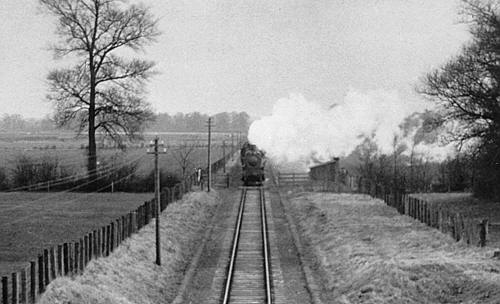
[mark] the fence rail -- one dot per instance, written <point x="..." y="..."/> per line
<point x="293" y="179"/>
<point x="70" y="258"/>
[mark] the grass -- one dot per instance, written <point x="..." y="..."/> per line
<point x="475" y="208"/>
<point x="30" y="222"/>
<point x="366" y="252"/>
<point x="129" y="274"/>
<point x="67" y="148"/>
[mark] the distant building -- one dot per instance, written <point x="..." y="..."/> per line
<point x="328" y="171"/>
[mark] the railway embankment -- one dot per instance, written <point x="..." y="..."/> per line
<point x="129" y="274"/>
<point x="366" y="252"/>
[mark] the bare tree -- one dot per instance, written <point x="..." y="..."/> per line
<point x="468" y="90"/>
<point x="182" y="156"/>
<point x="102" y="91"/>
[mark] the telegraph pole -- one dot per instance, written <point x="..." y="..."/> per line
<point x="208" y="154"/>
<point x="232" y="142"/>
<point x="156" y="153"/>
<point x="224" y="155"/>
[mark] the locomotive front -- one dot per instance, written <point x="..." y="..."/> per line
<point x="252" y="163"/>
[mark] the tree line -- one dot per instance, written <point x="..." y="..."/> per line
<point x="161" y="122"/>
<point x="197" y="122"/>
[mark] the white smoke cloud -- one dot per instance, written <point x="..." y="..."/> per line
<point x="299" y="130"/>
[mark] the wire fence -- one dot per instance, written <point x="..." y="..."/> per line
<point x="70" y="258"/>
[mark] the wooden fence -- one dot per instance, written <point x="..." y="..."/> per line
<point x="293" y="179"/>
<point x="461" y="227"/>
<point x="71" y="258"/>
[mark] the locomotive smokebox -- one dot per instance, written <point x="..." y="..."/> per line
<point x="252" y="163"/>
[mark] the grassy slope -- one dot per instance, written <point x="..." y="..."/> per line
<point x="367" y="253"/>
<point x="30" y="222"/>
<point x="129" y="274"/>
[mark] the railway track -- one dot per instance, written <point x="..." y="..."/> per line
<point x="248" y="277"/>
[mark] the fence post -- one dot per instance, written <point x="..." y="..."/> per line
<point x="71" y="248"/>
<point x="52" y="257"/>
<point x="102" y="250"/>
<point x="134" y="222"/>
<point x="41" y="286"/>
<point x="59" y="260"/>
<point x="94" y="246"/>
<point x="422" y="211"/>
<point x="15" y="288"/>
<point x="417" y="208"/>
<point x="112" y="237"/>
<point x="90" y="248"/>
<point x="410" y="203"/>
<point x="33" y="281"/>
<point x="426" y="213"/>
<point x="123" y="232"/>
<point x="146" y="213"/>
<point x="66" y="258"/>
<point x="131" y="223"/>
<point x="440" y="219"/>
<point x="83" y="255"/>
<point x="46" y="267"/>
<point x="85" y="250"/>
<point x="483" y="233"/>
<point x="23" y="297"/>
<point x="118" y="232"/>
<point x="77" y="260"/>
<point x="108" y="239"/>
<point x="98" y="248"/>
<point x="456" y="227"/>
<point x="5" y="290"/>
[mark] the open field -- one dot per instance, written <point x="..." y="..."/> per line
<point x="30" y="222"/>
<point x="366" y="252"/>
<point x="70" y="151"/>
<point x="472" y="207"/>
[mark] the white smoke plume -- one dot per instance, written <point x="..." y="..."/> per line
<point x="302" y="131"/>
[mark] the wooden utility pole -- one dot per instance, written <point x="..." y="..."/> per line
<point x="232" y="142"/>
<point x="224" y="155"/>
<point x="208" y="154"/>
<point x="156" y="152"/>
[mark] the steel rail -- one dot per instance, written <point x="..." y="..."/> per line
<point x="236" y="239"/>
<point x="265" y="245"/>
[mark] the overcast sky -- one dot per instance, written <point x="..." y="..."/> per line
<point x="240" y="55"/>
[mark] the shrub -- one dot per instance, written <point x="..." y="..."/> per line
<point x="3" y="179"/>
<point x="126" y="179"/>
<point x="29" y="171"/>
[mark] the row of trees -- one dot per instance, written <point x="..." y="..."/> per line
<point x="196" y="122"/>
<point x="162" y="122"/>
<point x="17" y="123"/>
<point x="413" y="172"/>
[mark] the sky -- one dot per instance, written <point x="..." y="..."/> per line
<point x="235" y="55"/>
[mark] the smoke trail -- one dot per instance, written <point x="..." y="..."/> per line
<point x="302" y="131"/>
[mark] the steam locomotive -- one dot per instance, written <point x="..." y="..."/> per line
<point x="252" y="163"/>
